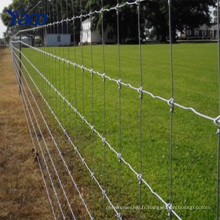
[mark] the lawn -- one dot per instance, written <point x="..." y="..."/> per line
<point x="195" y="69"/>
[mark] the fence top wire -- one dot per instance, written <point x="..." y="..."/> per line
<point x="139" y="176"/>
<point x="117" y="7"/>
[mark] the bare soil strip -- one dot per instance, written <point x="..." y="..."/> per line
<point x="22" y="193"/>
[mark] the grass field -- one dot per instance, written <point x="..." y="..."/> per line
<point x="194" y="138"/>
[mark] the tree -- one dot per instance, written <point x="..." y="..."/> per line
<point x="154" y="16"/>
<point x="16" y="5"/>
<point x="185" y="13"/>
<point x="127" y="19"/>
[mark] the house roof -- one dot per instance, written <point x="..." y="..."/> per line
<point x="215" y="27"/>
<point x="85" y="21"/>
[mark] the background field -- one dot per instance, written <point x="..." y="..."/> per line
<point x="195" y="139"/>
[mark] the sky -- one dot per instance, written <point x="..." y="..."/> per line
<point x="3" y="3"/>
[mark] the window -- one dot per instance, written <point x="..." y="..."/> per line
<point x="196" y="32"/>
<point x="58" y="38"/>
<point x="188" y="33"/>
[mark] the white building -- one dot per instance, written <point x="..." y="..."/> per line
<point x="89" y="36"/>
<point x="57" y="39"/>
<point x="27" y="40"/>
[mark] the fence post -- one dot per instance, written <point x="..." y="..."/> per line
<point x="20" y="63"/>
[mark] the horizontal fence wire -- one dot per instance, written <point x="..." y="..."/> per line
<point x="120" y="83"/>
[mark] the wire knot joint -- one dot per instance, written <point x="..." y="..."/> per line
<point x="104" y="141"/>
<point x="217" y="121"/>
<point x="118" y="215"/>
<point x="83" y="119"/>
<point x="119" y="157"/>
<point x="119" y="84"/>
<point x="117" y="7"/>
<point x="140" y="90"/>
<point x="169" y="207"/>
<point x="91" y="71"/>
<point x="139" y="176"/>
<point x="75" y="148"/>
<point x="171" y="104"/>
<point x="137" y="2"/>
<point x="83" y="161"/>
<point x="92" y="175"/>
<point x="103" y="76"/>
<point x="104" y="193"/>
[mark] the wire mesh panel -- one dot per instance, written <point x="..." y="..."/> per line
<point x="109" y="137"/>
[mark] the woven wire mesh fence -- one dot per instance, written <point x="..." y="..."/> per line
<point x="106" y="145"/>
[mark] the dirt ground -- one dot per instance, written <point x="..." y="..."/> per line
<point x="22" y="193"/>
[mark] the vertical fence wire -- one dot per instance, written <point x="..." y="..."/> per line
<point x="47" y="70"/>
<point x="140" y="107"/>
<point x="218" y="149"/>
<point x="119" y="107"/>
<point x="171" y="108"/>
<point x="75" y="93"/>
<point x="55" y="52"/>
<point x="63" y="63"/>
<point x="92" y="109"/>
<point x="58" y="39"/>
<point x="104" y="122"/>
<point x="83" y="87"/>
<point x="20" y="85"/>
<point x="44" y="46"/>
<point x="49" y="50"/>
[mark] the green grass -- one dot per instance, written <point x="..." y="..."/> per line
<point x="194" y="138"/>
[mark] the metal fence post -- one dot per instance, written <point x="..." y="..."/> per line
<point x="20" y="64"/>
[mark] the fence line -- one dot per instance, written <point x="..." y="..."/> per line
<point x="56" y="145"/>
<point x="35" y="149"/>
<point x="46" y="145"/>
<point x="21" y="70"/>
<point x="39" y="144"/>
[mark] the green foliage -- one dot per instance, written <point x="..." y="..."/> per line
<point x="154" y="14"/>
<point x="185" y="13"/>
